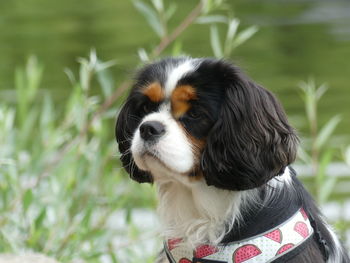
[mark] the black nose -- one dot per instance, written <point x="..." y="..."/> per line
<point x="151" y="130"/>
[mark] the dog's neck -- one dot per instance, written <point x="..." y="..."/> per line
<point x="199" y="213"/>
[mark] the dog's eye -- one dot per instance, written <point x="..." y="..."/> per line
<point x="194" y="114"/>
<point x="148" y="107"/>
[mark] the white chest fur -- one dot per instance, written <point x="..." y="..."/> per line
<point x="196" y="212"/>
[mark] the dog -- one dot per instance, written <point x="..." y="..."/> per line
<point x="219" y="149"/>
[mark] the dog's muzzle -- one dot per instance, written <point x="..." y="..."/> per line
<point x="151" y="130"/>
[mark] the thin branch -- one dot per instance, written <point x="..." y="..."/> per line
<point x="167" y="40"/>
<point x="124" y="86"/>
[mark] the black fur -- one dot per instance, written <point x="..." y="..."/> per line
<point x="251" y="141"/>
<point x="129" y="118"/>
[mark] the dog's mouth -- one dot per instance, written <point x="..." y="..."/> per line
<point x="152" y="157"/>
<point x="150" y="154"/>
<point x="151" y="161"/>
<point x="145" y="157"/>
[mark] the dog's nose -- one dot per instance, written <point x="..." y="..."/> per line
<point x="151" y="130"/>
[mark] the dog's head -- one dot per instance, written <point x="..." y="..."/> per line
<point x="203" y="118"/>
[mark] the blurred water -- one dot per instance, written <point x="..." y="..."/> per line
<point x="296" y="40"/>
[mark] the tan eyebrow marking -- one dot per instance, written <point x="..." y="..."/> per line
<point x="154" y="92"/>
<point x="180" y="98"/>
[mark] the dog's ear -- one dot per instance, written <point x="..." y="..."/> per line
<point x="126" y="124"/>
<point x="251" y="142"/>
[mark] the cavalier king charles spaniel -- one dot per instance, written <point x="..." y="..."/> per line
<point x="219" y="148"/>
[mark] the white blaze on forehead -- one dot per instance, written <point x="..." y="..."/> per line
<point x="173" y="149"/>
<point x="175" y="74"/>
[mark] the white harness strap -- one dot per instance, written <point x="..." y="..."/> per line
<point x="265" y="247"/>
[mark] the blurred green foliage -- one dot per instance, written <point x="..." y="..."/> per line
<point x="320" y="153"/>
<point x="60" y="178"/>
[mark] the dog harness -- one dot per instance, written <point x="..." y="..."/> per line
<point x="263" y="248"/>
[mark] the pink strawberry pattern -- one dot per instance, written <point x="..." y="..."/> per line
<point x="302" y="211"/>
<point x="185" y="260"/>
<point x="245" y="252"/>
<point x="172" y="243"/>
<point x="301" y="229"/>
<point x="275" y="235"/>
<point x="284" y="248"/>
<point x="289" y="235"/>
<point x="204" y="251"/>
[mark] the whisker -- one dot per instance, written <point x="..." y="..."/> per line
<point x="126" y="140"/>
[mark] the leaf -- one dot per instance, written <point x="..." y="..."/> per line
<point x="347" y="155"/>
<point x="158" y="4"/>
<point x="28" y="127"/>
<point x="215" y="42"/>
<point x="231" y="33"/>
<point x="245" y="35"/>
<point x="34" y="75"/>
<point x="7" y="240"/>
<point x="27" y="199"/>
<point x="310" y="106"/>
<point x="143" y="55"/>
<point x="303" y="155"/>
<point x="177" y="48"/>
<point x="40" y="218"/>
<point x="327" y="131"/>
<point x="232" y="29"/>
<point x="21" y="94"/>
<point x="84" y="74"/>
<point x="70" y="75"/>
<point x="94" y="254"/>
<point x="151" y="17"/>
<point x="170" y="11"/>
<point x="106" y="82"/>
<point x="101" y="66"/>
<point x="210" y="19"/>
<point x="47" y="114"/>
<point x="210" y="5"/>
<point x="113" y="257"/>
<point x="325" y="160"/>
<point x="207" y="6"/>
<point x="92" y="60"/>
<point x="320" y="91"/>
<point x="85" y="222"/>
<point x="327" y="188"/>
<point x="9" y="120"/>
<point x="128" y="215"/>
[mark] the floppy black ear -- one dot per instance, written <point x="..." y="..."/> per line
<point x="126" y="124"/>
<point x="251" y="142"/>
